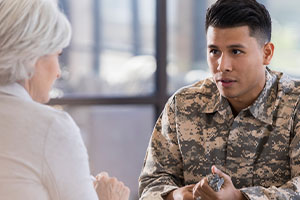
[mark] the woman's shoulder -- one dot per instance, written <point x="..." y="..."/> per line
<point x="44" y="118"/>
<point x="58" y="127"/>
<point x="46" y="111"/>
<point x="56" y="117"/>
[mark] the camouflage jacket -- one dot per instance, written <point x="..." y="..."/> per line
<point x="259" y="148"/>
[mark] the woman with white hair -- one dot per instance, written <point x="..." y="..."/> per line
<point x="42" y="155"/>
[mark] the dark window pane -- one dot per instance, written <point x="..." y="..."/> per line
<point x="116" y="138"/>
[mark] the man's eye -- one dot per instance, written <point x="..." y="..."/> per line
<point x="235" y="51"/>
<point x="213" y="51"/>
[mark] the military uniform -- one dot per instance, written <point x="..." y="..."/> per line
<point x="259" y="148"/>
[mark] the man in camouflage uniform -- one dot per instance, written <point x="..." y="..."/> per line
<point x="244" y="121"/>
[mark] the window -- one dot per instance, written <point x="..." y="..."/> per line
<point x="110" y="81"/>
<point x="118" y="74"/>
<point x="112" y="51"/>
<point x="286" y="37"/>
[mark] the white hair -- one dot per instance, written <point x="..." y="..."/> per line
<point x="29" y="29"/>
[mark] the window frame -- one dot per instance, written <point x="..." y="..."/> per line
<point x="160" y="95"/>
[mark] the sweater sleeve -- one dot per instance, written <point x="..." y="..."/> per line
<point x="66" y="172"/>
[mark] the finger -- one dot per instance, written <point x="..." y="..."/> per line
<point x="203" y="189"/>
<point x="114" y="181"/>
<point x="125" y="193"/>
<point x="198" y="192"/>
<point x="120" y="189"/>
<point x="195" y="191"/>
<point x="205" y="195"/>
<point x="190" y="187"/>
<point x="119" y="185"/>
<point x="215" y="170"/>
<point x="103" y="176"/>
<point x="200" y="187"/>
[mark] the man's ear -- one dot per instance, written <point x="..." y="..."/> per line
<point x="268" y="53"/>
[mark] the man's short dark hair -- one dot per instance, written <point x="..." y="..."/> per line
<point x="235" y="13"/>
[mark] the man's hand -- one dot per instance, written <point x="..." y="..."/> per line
<point x="109" y="188"/>
<point x="227" y="192"/>
<point x="183" y="193"/>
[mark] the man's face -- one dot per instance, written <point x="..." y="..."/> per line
<point x="236" y="61"/>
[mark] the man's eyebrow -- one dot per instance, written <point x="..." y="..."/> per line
<point x="236" y="46"/>
<point x="211" y="46"/>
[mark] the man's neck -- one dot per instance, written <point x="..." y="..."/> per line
<point x="241" y="102"/>
<point x="237" y="105"/>
<point x="236" y="108"/>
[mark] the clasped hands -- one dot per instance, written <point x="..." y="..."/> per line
<point x="109" y="188"/>
<point x="202" y="190"/>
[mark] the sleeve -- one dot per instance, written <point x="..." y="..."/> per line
<point x="66" y="172"/>
<point x="162" y="170"/>
<point x="291" y="189"/>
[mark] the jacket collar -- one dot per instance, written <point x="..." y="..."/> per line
<point x="262" y="108"/>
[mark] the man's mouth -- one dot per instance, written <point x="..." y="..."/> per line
<point x="227" y="82"/>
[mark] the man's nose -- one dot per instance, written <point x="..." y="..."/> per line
<point x="224" y="64"/>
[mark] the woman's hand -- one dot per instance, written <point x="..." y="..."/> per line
<point x="109" y="188"/>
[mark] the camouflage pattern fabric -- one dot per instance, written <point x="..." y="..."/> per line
<point x="259" y="148"/>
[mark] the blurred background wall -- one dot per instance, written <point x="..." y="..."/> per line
<point x="128" y="56"/>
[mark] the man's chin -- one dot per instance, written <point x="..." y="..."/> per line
<point x="227" y="95"/>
